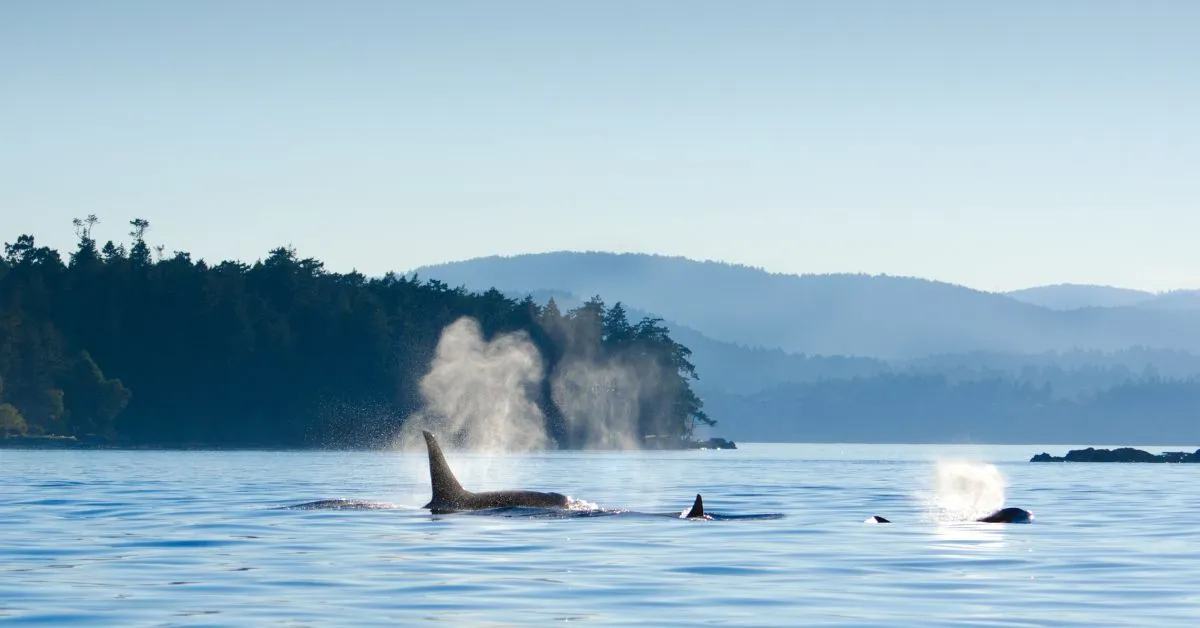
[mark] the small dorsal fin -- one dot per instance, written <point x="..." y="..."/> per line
<point x="697" y="508"/>
<point x="445" y="486"/>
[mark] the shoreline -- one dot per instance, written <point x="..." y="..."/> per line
<point x="73" y="443"/>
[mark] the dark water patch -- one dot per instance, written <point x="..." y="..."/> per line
<point x="342" y="504"/>
<point x="177" y="544"/>
<point x="63" y="484"/>
<point x="56" y="618"/>
<point x="48" y="501"/>
<point x="444" y="589"/>
<point x="196" y="613"/>
<point x="721" y="570"/>
<point x="105" y="512"/>
<point x="503" y="548"/>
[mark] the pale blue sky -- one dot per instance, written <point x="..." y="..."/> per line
<point x="993" y="144"/>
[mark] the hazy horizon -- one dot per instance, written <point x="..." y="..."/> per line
<point x="409" y="271"/>
<point x="995" y="146"/>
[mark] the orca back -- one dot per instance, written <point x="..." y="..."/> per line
<point x="1008" y="515"/>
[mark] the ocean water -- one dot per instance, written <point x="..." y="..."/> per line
<point x="163" y="538"/>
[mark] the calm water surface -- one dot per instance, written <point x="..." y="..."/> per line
<point x="195" y="538"/>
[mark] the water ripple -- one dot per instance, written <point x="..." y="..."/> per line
<point x="195" y="538"/>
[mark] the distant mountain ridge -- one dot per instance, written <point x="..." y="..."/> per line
<point x="1068" y="296"/>
<point x="1174" y="300"/>
<point x="936" y="362"/>
<point x="881" y="316"/>
<point x="728" y="367"/>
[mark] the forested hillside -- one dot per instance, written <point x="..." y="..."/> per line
<point x="131" y="345"/>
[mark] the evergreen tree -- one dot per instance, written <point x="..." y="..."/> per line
<point x="167" y="349"/>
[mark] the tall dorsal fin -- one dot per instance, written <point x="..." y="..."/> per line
<point x="445" y="485"/>
<point x="697" y="508"/>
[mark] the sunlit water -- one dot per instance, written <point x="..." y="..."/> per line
<point x="123" y="538"/>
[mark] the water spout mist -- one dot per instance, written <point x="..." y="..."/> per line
<point x="477" y="393"/>
<point x="484" y="395"/>
<point x="966" y="490"/>
<point x="599" y="403"/>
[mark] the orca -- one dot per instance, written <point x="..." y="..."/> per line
<point x="697" y="511"/>
<point x="1008" y="515"/>
<point x="1004" y="515"/>
<point x="449" y="496"/>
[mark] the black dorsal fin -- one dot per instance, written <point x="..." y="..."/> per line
<point x="445" y="486"/>
<point x="697" y="508"/>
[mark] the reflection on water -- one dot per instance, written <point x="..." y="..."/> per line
<point x="967" y="536"/>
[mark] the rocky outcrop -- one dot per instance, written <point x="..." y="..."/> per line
<point x="714" y="443"/>
<point x="1120" y="454"/>
<point x="674" y="442"/>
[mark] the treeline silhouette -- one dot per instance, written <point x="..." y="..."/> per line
<point x="138" y="347"/>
